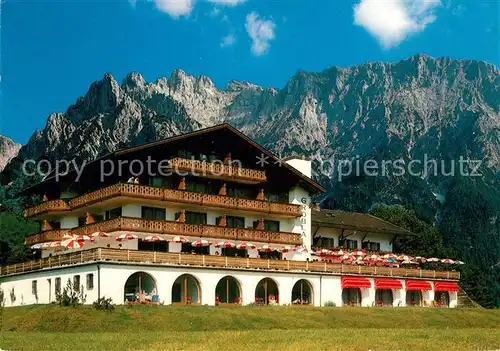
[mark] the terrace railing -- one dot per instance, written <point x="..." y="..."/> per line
<point x="171" y="228"/>
<point x="180" y="259"/>
<point x="140" y="191"/>
<point x="218" y="170"/>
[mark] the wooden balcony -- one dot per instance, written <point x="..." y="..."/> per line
<point x="139" y="191"/>
<point x="171" y="228"/>
<point x="53" y="206"/>
<point x="177" y="259"/>
<point x="217" y="170"/>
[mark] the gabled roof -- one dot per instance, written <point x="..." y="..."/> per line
<point x="310" y="184"/>
<point x="355" y="221"/>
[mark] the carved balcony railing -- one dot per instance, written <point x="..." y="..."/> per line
<point x="170" y="228"/>
<point x="47" y="207"/>
<point x="218" y="170"/>
<point x="140" y="191"/>
<point x="176" y="259"/>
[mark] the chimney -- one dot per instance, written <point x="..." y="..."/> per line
<point x="301" y="164"/>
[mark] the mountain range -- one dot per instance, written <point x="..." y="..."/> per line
<point x="419" y="108"/>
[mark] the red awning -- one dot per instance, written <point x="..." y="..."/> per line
<point x="383" y="283"/>
<point x="446" y="286"/>
<point x="355" y="282"/>
<point x="418" y="285"/>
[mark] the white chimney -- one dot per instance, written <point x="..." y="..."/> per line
<point x="301" y="164"/>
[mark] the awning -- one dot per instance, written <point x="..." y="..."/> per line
<point x="418" y="285"/>
<point x="446" y="286"/>
<point x="384" y="283"/>
<point x="355" y="282"/>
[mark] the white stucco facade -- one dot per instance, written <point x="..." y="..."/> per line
<point x="108" y="280"/>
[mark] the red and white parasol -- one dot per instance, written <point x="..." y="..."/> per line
<point x="266" y="248"/>
<point x="302" y="249"/>
<point x="126" y="237"/>
<point x="201" y="243"/>
<point x="99" y="235"/>
<point x="286" y="249"/>
<point x="372" y="257"/>
<point x="389" y="255"/>
<point x="246" y="246"/>
<point x="153" y="239"/>
<point x="72" y="243"/>
<point x="433" y="259"/>
<point x="178" y="239"/>
<point x="358" y="253"/>
<point x="340" y="252"/>
<point x="408" y="262"/>
<point x="225" y="244"/>
<point x="421" y="259"/>
<point x="447" y="261"/>
<point x="323" y="252"/>
<point x="405" y="258"/>
<point x="83" y="237"/>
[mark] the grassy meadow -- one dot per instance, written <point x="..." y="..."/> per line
<point x="248" y="328"/>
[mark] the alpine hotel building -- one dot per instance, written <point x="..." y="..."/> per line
<point x="223" y="229"/>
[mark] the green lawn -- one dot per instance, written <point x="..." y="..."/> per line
<point x="249" y="328"/>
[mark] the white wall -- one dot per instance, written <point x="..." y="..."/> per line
<point x="113" y="277"/>
<point x="22" y="285"/>
<point x="301" y="165"/>
<point x="302" y="225"/>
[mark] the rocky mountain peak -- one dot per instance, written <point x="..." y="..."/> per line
<point x="103" y="96"/>
<point x="134" y="80"/>
<point x="8" y="150"/>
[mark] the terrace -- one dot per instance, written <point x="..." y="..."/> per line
<point x="169" y="227"/>
<point x="180" y="259"/>
<point x="150" y="193"/>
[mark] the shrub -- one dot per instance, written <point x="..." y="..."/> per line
<point x="104" y="304"/>
<point x="71" y="296"/>
<point x="330" y="304"/>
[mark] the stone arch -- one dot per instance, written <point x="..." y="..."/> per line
<point x="140" y="286"/>
<point x="302" y="293"/>
<point x="228" y="290"/>
<point x="267" y="292"/>
<point x="186" y="290"/>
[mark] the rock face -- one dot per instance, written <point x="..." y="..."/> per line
<point x="439" y="107"/>
<point x="8" y="150"/>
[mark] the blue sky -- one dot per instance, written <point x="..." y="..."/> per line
<point x="52" y="51"/>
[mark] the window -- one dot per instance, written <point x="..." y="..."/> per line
<point x="90" y="281"/>
<point x="272" y="226"/>
<point x="114" y="213"/>
<point x="235" y="222"/>
<point x="276" y="197"/>
<point x="76" y="282"/>
<point x="325" y="243"/>
<point x="153" y="213"/>
<point x="55" y="224"/>
<point x="196" y="218"/>
<point x="374" y="246"/>
<point x="33" y="287"/>
<point x="160" y="182"/>
<point x="240" y="192"/>
<point x="58" y="286"/>
<point x="81" y="221"/>
<point x="352" y="244"/>
<point x="196" y="187"/>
